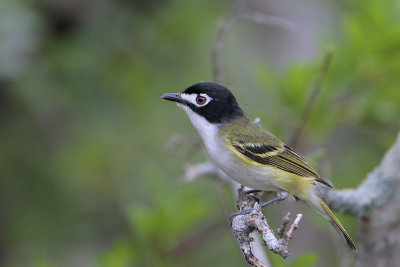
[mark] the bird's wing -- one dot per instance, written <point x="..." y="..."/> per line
<point x="272" y="152"/>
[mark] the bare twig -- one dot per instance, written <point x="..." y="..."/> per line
<point x="311" y="99"/>
<point x="285" y="221"/>
<point x="292" y="228"/>
<point x="244" y="224"/>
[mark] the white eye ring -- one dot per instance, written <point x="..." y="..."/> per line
<point x="199" y="100"/>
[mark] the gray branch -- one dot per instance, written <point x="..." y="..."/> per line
<point x="244" y="224"/>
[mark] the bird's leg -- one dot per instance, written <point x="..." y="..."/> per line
<point x="282" y="195"/>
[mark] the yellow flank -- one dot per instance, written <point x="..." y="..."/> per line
<point x="299" y="186"/>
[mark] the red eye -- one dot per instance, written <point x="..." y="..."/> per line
<point x="201" y="100"/>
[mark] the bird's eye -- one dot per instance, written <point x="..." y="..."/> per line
<point x="201" y="100"/>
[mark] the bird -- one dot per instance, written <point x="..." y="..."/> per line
<point x="250" y="154"/>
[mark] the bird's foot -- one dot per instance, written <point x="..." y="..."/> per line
<point x="242" y="212"/>
<point x="281" y="196"/>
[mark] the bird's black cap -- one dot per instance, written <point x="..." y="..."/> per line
<point x="222" y="108"/>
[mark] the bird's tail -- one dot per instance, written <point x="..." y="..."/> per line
<point x="323" y="208"/>
<point x="338" y="226"/>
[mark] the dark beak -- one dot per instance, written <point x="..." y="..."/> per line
<point x="173" y="97"/>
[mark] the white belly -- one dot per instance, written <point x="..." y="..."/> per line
<point x="260" y="178"/>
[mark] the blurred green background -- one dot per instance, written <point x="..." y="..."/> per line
<point x="85" y="178"/>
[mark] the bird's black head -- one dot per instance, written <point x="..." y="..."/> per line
<point x="212" y="101"/>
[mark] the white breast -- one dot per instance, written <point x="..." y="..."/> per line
<point x="208" y="131"/>
<point x="254" y="177"/>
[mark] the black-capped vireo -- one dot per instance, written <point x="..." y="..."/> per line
<point x="250" y="154"/>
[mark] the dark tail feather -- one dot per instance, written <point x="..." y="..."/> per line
<point x="338" y="227"/>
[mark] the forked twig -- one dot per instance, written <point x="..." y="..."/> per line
<point x="244" y="224"/>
